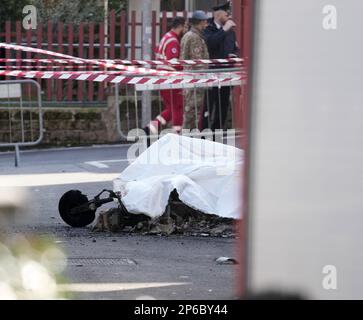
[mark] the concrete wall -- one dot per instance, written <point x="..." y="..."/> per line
<point x="306" y="151"/>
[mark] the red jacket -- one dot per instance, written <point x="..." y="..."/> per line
<point x="169" y="48"/>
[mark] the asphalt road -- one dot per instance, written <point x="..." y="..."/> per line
<point x="112" y="266"/>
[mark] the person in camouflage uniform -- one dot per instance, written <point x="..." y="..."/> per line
<point x="193" y="46"/>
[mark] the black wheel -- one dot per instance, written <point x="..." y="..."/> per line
<point x="73" y="199"/>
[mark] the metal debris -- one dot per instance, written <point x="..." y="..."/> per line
<point x="226" y="260"/>
<point x="177" y="219"/>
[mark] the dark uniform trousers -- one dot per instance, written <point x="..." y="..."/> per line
<point x="216" y="106"/>
<point x="221" y="44"/>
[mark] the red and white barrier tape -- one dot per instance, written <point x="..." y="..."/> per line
<point x="185" y="84"/>
<point x="132" y="69"/>
<point x="65" y="66"/>
<point x="140" y="77"/>
<point x="118" y="77"/>
<point x="173" y="62"/>
<point x="35" y="67"/>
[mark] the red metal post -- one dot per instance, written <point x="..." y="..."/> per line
<point x="123" y="30"/>
<point x="70" y="52"/>
<point x="80" y="84"/>
<point x="59" y="83"/>
<point x="39" y="44"/>
<point x="28" y="87"/>
<point x="80" y="39"/>
<point x="237" y="15"/>
<point x="101" y="88"/>
<point x="91" y="41"/>
<point x="7" y="40"/>
<point x="133" y="34"/>
<point x="18" y="41"/>
<point x="112" y="34"/>
<point x="246" y="53"/>
<point x="60" y="36"/>
<point x="28" y="42"/>
<point x="243" y="14"/>
<point x="49" y="88"/>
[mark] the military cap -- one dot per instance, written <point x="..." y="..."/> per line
<point x="224" y="7"/>
<point x="199" y="15"/>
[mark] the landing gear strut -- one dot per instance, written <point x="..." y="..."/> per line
<point x="77" y="211"/>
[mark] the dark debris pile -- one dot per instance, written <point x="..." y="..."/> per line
<point x="177" y="219"/>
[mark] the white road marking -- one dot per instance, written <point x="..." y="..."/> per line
<point x="97" y="164"/>
<point x="101" y="163"/>
<point x="50" y="179"/>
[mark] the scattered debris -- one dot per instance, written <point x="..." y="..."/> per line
<point x="226" y="260"/>
<point x="112" y="220"/>
<point x="145" y="298"/>
<point x="163" y="225"/>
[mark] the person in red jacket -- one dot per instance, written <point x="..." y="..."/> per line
<point x="169" y="48"/>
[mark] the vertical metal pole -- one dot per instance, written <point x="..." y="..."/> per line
<point x="22" y="118"/>
<point x="220" y="105"/>
<point x="17" y="155"/>
<point x="30" y="113"/>
<point x="195" y="107"/>
<point x="146" y="51"/>
<point x="172" y="106"/>
<point x="159" y="102"/>
<point x="136" y="110"/>
<point x="208" y="107"/>
<point x="232" y="101"/>
<point x="127" y="108"/>
<point x="117" y="106"/>
<point x="10" y="120"/>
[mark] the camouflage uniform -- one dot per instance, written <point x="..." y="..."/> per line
<point x="193" y="46"/>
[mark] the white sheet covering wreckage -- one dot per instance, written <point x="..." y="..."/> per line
<point x="206" y="175"/>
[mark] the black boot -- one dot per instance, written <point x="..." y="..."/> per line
<point x="147" y="133"/>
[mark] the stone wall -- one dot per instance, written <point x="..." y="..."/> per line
<point x="63" y="126"/>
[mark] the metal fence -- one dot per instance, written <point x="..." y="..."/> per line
<point x="128" y="104"/>
<point x="21" y="118"/>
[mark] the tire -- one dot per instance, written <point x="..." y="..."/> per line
<point x="73" y="199"/>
